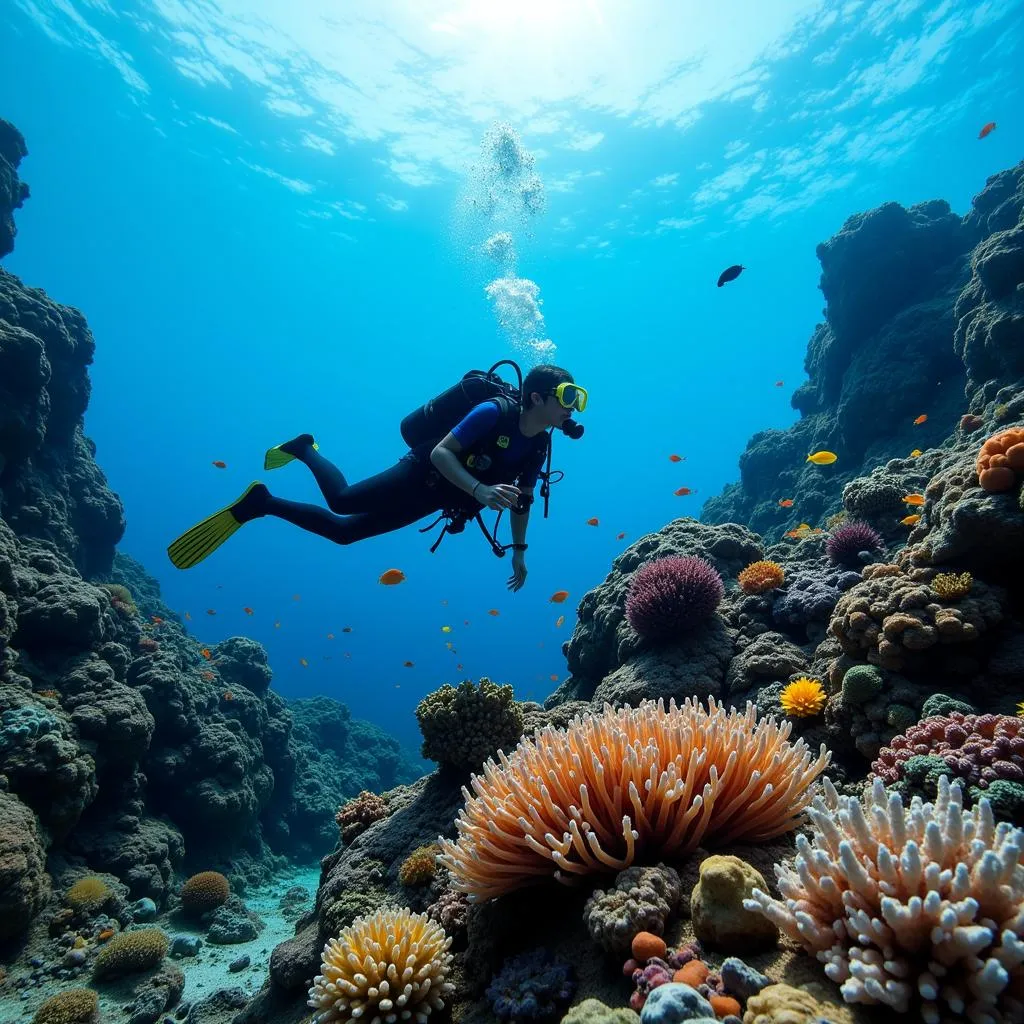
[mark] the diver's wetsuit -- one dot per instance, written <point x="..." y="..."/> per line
<point x="408" y="491"/>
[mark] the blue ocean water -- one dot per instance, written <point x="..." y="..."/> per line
<point x="272" y="216"/>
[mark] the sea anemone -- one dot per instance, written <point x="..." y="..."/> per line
<point x="390" y="966"/>
<point x="803" y="697"/>
<point x="849" y="539"/>
<point x="759" y="577"/>
<point x="670" y="595"/>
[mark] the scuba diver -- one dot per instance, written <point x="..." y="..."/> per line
<point x="480" y="444"/>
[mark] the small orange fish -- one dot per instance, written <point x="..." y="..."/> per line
<point x="156" y="620"/>
<point x="391" y="577"/>
<point x="620" y="536"/>
<point x="407" y="664"/>
<point x="210" y="611"/>
<point x="247" y="610"/>
<point x="493" y="611"/>
<point x="778" y="383"/>
<point x="187" y="616"/>
<point x="592" y="521"/>
<point x="987" y="129"/>
<point x="303" y="662"/>
<point x="920" y="419"/>
<point x="677" y="458"/>
<point x="346" y="629"/>
<point x="558" y="597"/>
<point x="208" y="675"/>
<point x="220" y="464"/>
<point x="794" y="533"/>
<point x="911" y="520"/>
<point x="914" y="499"/>
<point x="786" y="502"/>
<point x="554" y="678"/>
<point x="205" y="652"/>
<point x="681" y="492"/>
<point x="560" y="622"/>
<point x="330" y="636"/>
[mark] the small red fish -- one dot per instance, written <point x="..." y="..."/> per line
<point x="493" y="611"/>
<point x="592" y="521"/>
<point x="676" y="458"/>
<point x="220" y="464"/>
<point x="554" y="678"/>
<point x="391" y="577"/>
<point x="558" y="596"/>
<point x="247" y="610"/>
<point x="156" y="620"/>
<point x="987" y="129"/>
<point x="681" y="492"/>
<point x="920" y="419"/>
<point x="786" y="502"/>
<point x="620" y="536"/>
<point x="205" y="652"/>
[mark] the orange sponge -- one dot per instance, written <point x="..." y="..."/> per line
<point x="1000" y="460"/>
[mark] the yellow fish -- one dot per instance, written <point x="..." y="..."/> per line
<point x="915" y="453"/>
<point x="822" y="458"/>
<point x="910" y="520"/>
<point x="446" y="629"/>
<point x="914" y="499"/>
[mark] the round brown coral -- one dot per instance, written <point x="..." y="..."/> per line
<point x="204" y="891"/>
<point x="762" y="576"/>
<point x="75" y="1006"/>
<point x="88" y="894"/>
<point x="129" y="952"/>
<point x="1000" y="460"/>
<point x="359" y="813"/>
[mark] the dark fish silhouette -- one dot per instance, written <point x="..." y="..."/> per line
<point x="730" y="274"/>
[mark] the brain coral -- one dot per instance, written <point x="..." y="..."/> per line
<point x="915" y="909"/>
<point x="390" y="966"/>
<point x="846" y="542"/>
<point x="74" y="1006"/>
<point x="891" y="617"/>
<point x="670" y="595"/>
<point x="683" y="776"/>
<point x="641" y="900"/>
<point x="464" y="725"/>
<point x="204" y="891"/>
<point x="1000" y="460"/>
<point x="762" y="576"/>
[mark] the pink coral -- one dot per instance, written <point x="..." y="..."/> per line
<point x="670" y="595"/>
<point x="359" y="813"/>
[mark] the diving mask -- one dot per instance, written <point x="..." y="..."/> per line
<point x="571" y="396"/>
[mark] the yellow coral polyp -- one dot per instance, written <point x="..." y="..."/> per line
<point x="88" y="894"/>
<point x="759" y="577"/>
<point x="803" y="697"/>
<point x="950" y="585"/>
<point x="420" y="866"/>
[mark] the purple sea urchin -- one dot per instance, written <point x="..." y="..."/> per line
<point x="848" y="540"/>
<point x="670" y="595"/>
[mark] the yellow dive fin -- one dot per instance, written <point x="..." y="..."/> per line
<point x="204" y="538"/>
<point x="276" y="458"/>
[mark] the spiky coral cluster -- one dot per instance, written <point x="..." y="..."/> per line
<point x="846" y="542"/>
<point x="951" y="585"/>
<point x="917" y="908"/>
<point x="803" y="697"/>
<point x="390" y="966"/>
<point x="668" y="596"/>
<point x="359" y="813"/>
<point x="977" y="748"/>
<point x="654" y="780"/>
<point x="73" y="1006"/>
<point x="1000" y="460"/>
<point x="204" y="891"/>
<point x="420" y="866"/>
<point x="759" y="577"/>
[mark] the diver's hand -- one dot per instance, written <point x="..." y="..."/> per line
<point x="518" y="577"/>
<point x="499" y="496"/>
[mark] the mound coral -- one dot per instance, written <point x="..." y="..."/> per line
<point x="671" y="595"/>
<point x="917" y="908"/>
<point x="653" y="781"/>
<point x="759" y="577"/>
<point x="88" y="894"/>
<point x="803" y="697"/>
<point x="128" y="952"/>
<point x="641" y="900"/>
<point x="846" y="542"/>
<point x="420" y="866"/>
<point x="464" y="725"/>
<point x="951" y="585"/>
<point x="74" y="1006"/>
<point x="357" y="814"/>
<point x="390" y="966"/>
<point x="204" y="891"/>
<point x="1000" y="460"/>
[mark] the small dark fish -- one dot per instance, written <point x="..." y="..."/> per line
<point x="730" y="274"/>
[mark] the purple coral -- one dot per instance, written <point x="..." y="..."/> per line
<point x="848" y="540"/>
<point x="670" y="595"/>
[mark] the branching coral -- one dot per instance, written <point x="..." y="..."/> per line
<point x="653" y="780"/>
<point x="759" y="577"/>
<point x="359" y="813"/>
<point x="951" y="585"/>
<point x="390" y="966"/>
<point x="803" y="697"/>
<point x="668" y="596"/>
<point x="1000" y="460"/>
<point x="919" y="907"/>
<point x="420" y="866"/>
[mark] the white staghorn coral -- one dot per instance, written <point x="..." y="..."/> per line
<point x="919" y="907"/>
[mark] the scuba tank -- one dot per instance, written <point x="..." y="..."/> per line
<point x="432" y="420"/>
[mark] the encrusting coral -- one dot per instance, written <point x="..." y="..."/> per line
<point x="668" y="596"/>
<point x="682" y="775"/>
<point x="392" y="965"/>
<point x="913" y="908"/>
<point x="759" y="577"/>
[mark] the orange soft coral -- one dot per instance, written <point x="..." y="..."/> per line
<point x="1000" y="460"/>
<point x="761" y="576"/>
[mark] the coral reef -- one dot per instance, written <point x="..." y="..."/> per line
<point x="391" y="962"/>
<point x="914" y="908"/>
<point x="24" y="884"/>
<point x="672" y="595"/>
<point x="464" y="725"/>
<point x="752" y="783"/>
